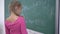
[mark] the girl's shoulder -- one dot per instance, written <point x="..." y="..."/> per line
<point x="22" y="16"/>
<point x="8" y="19"/>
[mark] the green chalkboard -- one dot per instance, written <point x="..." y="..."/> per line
<point x="39" y="14"/>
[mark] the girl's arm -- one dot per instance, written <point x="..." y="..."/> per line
<point x="7" y="30"/>
<point x="23" y="27"/>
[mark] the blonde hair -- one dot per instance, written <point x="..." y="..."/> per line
<point x="14" y="4"/>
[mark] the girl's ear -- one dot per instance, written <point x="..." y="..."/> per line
<point x="16" y="8"/>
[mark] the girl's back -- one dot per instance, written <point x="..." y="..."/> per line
<point x="16" y="27"/>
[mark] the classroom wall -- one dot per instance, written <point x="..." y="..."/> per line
<point x="39" y="14"/>
<point x="2" y="29"/>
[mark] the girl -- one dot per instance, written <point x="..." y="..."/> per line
<point x="15" y="23"/>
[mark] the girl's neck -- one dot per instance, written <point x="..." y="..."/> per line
<point x="13" y="15"/>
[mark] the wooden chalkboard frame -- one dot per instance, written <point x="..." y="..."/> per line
<point x="59" y="17"/>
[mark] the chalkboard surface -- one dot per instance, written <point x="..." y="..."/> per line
<point x="39" y="14"/>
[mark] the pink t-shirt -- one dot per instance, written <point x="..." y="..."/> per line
<point x="18" y="27"/>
